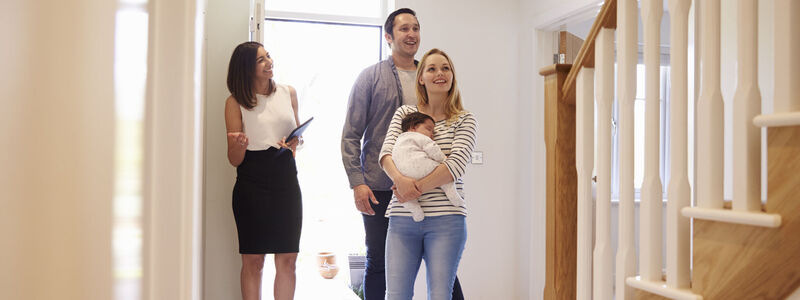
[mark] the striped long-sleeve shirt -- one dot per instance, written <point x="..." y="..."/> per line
<point x="457" y="140"/>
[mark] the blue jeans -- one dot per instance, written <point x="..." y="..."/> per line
<point x="438" y="240"/>
<point x="375" y="228"/>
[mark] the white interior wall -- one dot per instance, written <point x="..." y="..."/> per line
<point x="531" y="160"/>
<point x="57" y="162"/>
<point x="537" y="17"/>
<point x="226" y="27"/>
<point x="532" y="171"/>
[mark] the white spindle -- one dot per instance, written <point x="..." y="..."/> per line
<point x="746" y="106"/>
<point x="787" y="62"/>
<point x="709" y="111"/>
<point x="584" y="161"/>
<point x="602" y="284"/>
<point x="678" y="192"/>
<point x="651" y="202"/>
<point x="627" y="56"/>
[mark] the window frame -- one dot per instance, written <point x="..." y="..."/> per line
<point x="258" y="33"/>
<point x="261" y="13"/>
<point x="339" y="23"/>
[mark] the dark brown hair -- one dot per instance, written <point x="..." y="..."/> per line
<point x="413" y="119"/>
<point x="388" y="27"/>
<point x="240" y="74"/>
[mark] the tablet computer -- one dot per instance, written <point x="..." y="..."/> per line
<point x="299" y="130"/>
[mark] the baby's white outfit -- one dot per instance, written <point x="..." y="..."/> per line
<point x="416" y="155"/>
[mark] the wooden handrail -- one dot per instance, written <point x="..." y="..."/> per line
<point x="607" y="18"/>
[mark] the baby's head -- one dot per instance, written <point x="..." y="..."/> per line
<point x="418" y="122"/>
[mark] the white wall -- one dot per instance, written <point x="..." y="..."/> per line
<point x="481" y="38"/>
<point x="226" y="27"/>
<point x="57" y="136"/>
<point x="535" y="51"/>
<point x="536" y="54"/>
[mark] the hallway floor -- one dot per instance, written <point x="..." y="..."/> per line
<point x="311" y="285"/>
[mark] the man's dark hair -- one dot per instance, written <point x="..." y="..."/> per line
<point x="389" y="25"/>
<point x="413" y="119"/>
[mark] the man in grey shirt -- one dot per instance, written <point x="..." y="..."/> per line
<point x="379" y="90"/>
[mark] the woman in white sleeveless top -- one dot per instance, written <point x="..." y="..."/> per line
<point x="267" y="203"/>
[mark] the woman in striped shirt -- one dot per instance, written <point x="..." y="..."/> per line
<point x="440" y="237"/>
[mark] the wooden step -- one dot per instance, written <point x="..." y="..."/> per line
<point x="733" y="261"/>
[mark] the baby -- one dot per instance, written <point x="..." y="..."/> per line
<point x="416" y="155"/>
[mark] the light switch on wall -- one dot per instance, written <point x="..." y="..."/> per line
<point x="477" y="157"/>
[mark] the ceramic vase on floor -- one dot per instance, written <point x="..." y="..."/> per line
<point x="326" y="262"/>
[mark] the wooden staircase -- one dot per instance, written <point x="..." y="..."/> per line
<point x="729" y="260"/>
<point x="733" y="261"/>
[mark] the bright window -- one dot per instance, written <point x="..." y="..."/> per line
<point x="323" y="83"/>
<point x="321" y="60"/>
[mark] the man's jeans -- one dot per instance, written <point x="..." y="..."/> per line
<point x="376" y="227"/>
<point x="438" y="240"/>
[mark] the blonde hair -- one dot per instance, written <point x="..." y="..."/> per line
<point x="453" y="105"/>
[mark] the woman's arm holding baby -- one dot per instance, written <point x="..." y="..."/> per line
<point x="437" y="178"/>
<point x="404" y="187"/>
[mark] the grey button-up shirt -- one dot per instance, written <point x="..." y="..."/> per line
<point x="375" y="96"/>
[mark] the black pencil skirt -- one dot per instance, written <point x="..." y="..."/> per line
<point x="267" y="203"/>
